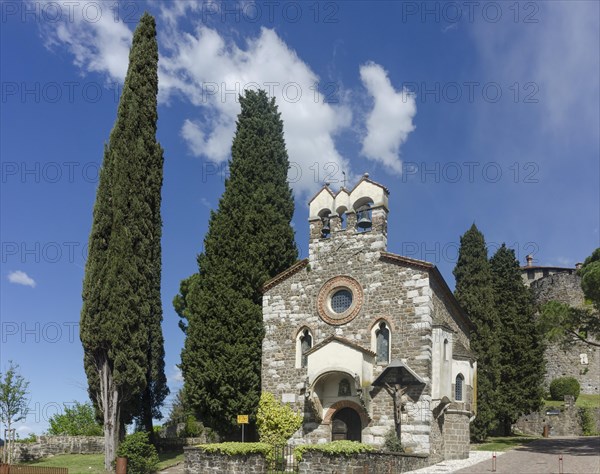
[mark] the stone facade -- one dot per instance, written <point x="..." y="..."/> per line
<point x="343" y="367"/>
<point x="580" y="360"/>
<point x="200" y="462"/>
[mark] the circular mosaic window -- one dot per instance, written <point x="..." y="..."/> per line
<point x="340" y="300"/>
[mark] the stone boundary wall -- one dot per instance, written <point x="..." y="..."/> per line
<point x="382" y="462"/>
<point x="200" y="462"/>
<point x="566" y="423"/>
<point x="46" y="446"/>
<point x="169" y="444"/>
<point x="52" y="445"/>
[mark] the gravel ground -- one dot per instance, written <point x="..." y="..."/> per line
<point x="475" y="457"/>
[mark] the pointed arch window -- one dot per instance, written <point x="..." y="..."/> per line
<point x="382" y="338"/>
<point x="459" y="388"/>
<point x="305" y="345"/>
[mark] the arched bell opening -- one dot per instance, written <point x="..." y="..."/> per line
<point x="364" y="217"/>
<point x="341" y="212"/>
<point x="325" y="216"/>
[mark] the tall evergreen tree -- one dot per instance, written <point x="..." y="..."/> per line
<point x="475" y="294"/>
<point x="521" y="349"/>
<point x="249" y="240"/>
<point x="121" y="313"/>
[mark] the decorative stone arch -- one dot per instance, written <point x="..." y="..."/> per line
<point x="298" y="329"/>
<point x="364" y="418"/>
<point x="386" y="319"/>
<point x="330" y="370"/>
<point x="327" y="291"/>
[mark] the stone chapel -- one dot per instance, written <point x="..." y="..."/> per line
<point x="363" y="341"/>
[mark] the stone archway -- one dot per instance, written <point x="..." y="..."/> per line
<point x="364" y="418"/>
<point x="346" y="425"/>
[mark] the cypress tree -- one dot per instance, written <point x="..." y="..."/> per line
<point x="521" y="349"/>
<point x="249" y="240"/>
<point x="121" y="314"/>
<point x="474" y="292"/>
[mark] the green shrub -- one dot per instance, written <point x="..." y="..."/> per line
<point x="564" y="386"/>
<point x="392" y="443"/>
<point x="275" y="421"/>
<point x="235" y="449"/>
<point x="336" y="448"/>
<point x="588" y="423"/>
<point x="78" y="420"/>
<point x="141" y="455"/>
<point x="31" y="438"/>
<point x="193" y="428"/>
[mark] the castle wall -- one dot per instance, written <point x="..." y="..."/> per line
<point x="578" y="360"/>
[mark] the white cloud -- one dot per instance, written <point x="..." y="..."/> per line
<point x="21" y="278"/>
<point x="390" y="121"/>
<point x="176" y="375"/>
<point x="90" y="32"/>
<point x="211" y="71"/>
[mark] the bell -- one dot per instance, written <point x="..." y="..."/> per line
<point x="325" y="230"/>
<point x="364" y="220"/>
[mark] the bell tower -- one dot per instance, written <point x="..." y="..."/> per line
<point x="356" y="218"/>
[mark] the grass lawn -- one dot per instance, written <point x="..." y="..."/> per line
<point x="503" y="443"/>
<point x="94" y="463"/>
<point x="591" y="401"/>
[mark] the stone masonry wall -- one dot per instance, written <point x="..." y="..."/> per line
<point x="200" y="462"/>
<point x="320" y="463"/>
<point x="560" y="362"/>
<point x="53" y="445"/>
<point x="456" y="434"/>
<point x="46" y="446"/>
<point x="567" y="422"/>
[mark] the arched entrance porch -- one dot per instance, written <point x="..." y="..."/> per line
<point x="346" y="425"/>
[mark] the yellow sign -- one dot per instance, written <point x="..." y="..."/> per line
<point x="242" y="419"/>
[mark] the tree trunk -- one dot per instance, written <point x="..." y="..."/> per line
<point x="146" y="420"/>
<point x="111" y="410"/>
<point x="507" y="426"/>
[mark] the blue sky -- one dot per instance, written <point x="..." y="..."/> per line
<point x="485" y="113"/>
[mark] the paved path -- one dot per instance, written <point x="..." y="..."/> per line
<point x="176" y="469"/>
<point x="580" y="455"/>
